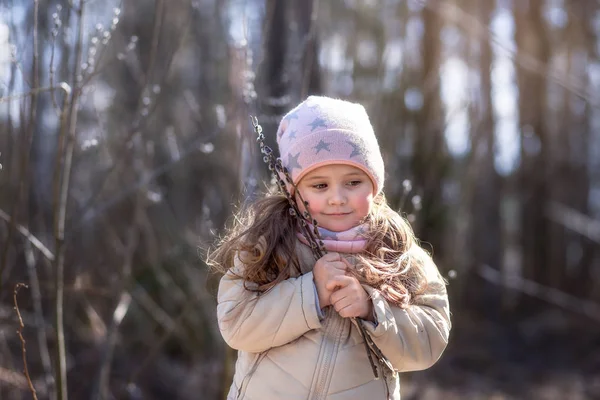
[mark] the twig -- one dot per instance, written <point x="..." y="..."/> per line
<point x="141" y="296"/>
<point x="12" y="223"/>
<point x="158" y="21"/>
<point x="60" y="215"/>
<point x="36" y="296"/>
<point x="89" y="214"/>
<point x="52" y="71"/>
<point x="29" y="236"/>
<point x="20" y="333"/>
<point x="548" y="294"/>
<point x="13" y="57"/>
<point x="574" y="220"/>
<point x="153" y="352"/>
<point x="33" y="92"/>
<point x="134" y="129"/>
<point x="101" y="390"/>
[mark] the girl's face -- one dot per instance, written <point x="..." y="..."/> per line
<point x="339" y="196"/>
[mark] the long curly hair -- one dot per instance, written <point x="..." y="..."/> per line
<point x="262" y="234"/>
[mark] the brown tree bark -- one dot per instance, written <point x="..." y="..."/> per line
<point x="306" y="52"/>
<point x="532" y="42"/>
<point x="483" y="186"/>
<point x="572" y="184"/>
<point x="430" y="162"/>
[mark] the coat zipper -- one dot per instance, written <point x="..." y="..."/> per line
<point x="334" y="330"/>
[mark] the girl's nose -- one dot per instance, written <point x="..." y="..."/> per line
<point x="338" y="197"/>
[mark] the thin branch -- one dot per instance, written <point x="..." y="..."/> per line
<point x="20" y="333"/>
<point x="7" y="316"/>
<point x="574" y="220"/>
<point x="153" y="352"/>
<point x="133" y="236"/>
<point x="52" y="71"/>
<point x="36" y="295"/>
<point x="133" y="130"/>
<point x="548" y="294"/>
<point x="60" y="213"/>
<point x="58" y="161"/>
<point x="17" y="64"/>
<point x="191" y="149"/>
<point x="35" y="91"/>
<point x="29" y="236"/>
<point x="158" y="15"/>
<point x="141" y="296"/>
<point x="102" y="389"/>
<point x="97" y="67"/>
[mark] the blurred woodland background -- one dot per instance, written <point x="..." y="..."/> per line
<point x="125" y="143"/>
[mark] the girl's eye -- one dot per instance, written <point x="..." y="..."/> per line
<point x="354" y="183"/>
<point x="320" y="186"/>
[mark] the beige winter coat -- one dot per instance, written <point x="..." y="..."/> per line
<point x="286" y="352"/>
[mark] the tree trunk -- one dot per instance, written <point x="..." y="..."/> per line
<point x="308" y="79"/>
<point x="483" y="184"/>
<point x="430" y="159"/>
<point x="532" y="42"/>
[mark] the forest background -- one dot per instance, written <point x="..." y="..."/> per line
<point x="126" y="143"/>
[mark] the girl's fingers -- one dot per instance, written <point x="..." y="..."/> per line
<point x="339" y="265"/>
<point x="338" y="281"/>
<point x="347" y="263"/>
<point x="337" y="295"/>
<point x="342" y="303"/>
<point x="332" y="256"/>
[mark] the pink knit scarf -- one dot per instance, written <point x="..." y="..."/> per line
<point x="351" y="241"/>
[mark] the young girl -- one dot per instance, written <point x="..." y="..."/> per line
<point x="295" y="320"/>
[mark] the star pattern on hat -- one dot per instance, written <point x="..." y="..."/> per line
<point x="318" y="122"/>
<point x="314" y="106"/>
<point x="322" y="145"/>
<point x="291" y="116"/>
<point x="292" y="135"/>
<point x="355" y="149"/>
<point x="292" y="162"/>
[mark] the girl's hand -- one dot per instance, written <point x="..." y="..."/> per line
<point x="328" y="267"/>
<point x="350" y="300"/>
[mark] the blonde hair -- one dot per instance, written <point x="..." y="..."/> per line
<point x="263" y="235"/>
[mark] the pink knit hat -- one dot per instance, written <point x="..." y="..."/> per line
<point x="322" y="131"/>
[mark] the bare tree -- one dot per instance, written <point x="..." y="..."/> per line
<point x="430" y="163"/>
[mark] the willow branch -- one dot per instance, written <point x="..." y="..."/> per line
<point x="60" y="212"/>
<point x="37" y="243"/>
<point x="549" y="294"/>
<point x="574" y="220"/>
<point x="23" y="347"/>
<point x="36" y="296"/>
<point x="35" y="91"/>
<point x="101" y="390"/>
